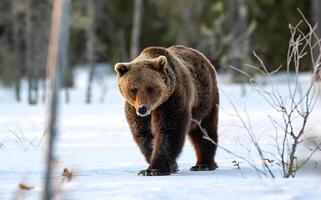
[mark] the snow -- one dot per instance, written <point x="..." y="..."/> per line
<point x="96" y="144"/>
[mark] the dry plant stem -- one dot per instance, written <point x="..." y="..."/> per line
<point x="317" y="148"/>
<point x="206" y="137"/>
<point x="248" y="128"/>
<point x="316" y="60"/>
<point x="299" y="104"/>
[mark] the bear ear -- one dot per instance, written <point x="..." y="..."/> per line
<point x="121" y="68"/>
<point x="161" y="61"/>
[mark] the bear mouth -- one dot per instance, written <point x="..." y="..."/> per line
<point x="143" y="114"/>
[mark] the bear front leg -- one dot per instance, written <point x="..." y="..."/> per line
<point x="169" y="127"/>
<point x="141" y="130"/>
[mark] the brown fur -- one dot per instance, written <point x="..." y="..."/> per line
<point x="176" y="85"/>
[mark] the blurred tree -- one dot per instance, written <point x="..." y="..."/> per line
<point x="90" y="50"/>
<point x="271" y="35"/>
<point x="36" y="38"/>
<point x="67" y="69"/>
<point x="6" y="57"/>
<point x="56" y="50"/>
<point x="239" y="47"/>
<point x="17" y="20"/>
<point x="118" y="19"/>
<point x="136" y="28"/>
<point x="181" y="19"/>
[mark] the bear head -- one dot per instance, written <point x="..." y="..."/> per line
<point x="144" y="83"/>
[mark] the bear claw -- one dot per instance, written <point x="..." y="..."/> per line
<point x="152" y="172"/>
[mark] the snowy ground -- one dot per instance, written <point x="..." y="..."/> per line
<point x="96" y="145"/>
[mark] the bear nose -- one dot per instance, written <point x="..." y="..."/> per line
<point x="142" y="110"/>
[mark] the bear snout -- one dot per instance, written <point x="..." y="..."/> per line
<point x="142" y="111"/>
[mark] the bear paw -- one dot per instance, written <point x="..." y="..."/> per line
<point x="204" y="167"/>
<point x="174" y="168"/>
<point x="152" y="172"/>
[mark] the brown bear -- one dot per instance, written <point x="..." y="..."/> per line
<point x="170" y="92"/>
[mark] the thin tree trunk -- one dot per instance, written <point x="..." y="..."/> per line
<point x="28" y="62"/>
<point x="239" y="49"/>
<point x="36" y="38"/>
<point x="103" y="92"/>
<point x="41" y="39"/>
<point x="136" y="29"/>
<point x="91" y="38"/>
<point x="122" y="44"/>
<point x="56" y="49"/>
<point x="67" y="95"/>
<point x="44" y="91"/>
<point x="68" y="78"/>
<point x="16" y="51"/>
<point x="68" y="72"/>
<point x="36" y="86"/>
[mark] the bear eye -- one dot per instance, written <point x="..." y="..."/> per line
<point x="133" y="90"/>
<point x="150" y="90"/>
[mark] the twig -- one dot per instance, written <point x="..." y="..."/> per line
<point x="206" y="137"/>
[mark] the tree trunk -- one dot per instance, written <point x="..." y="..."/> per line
<point x="239" y="49"/>
<point x="90" y="52"/>
<point x="136" y="29"/>
<point x="29" y="64"/>
<point x="121" y="38"/>
<point x="57" y="47"/>
<point x="37" y="25"/>
<point x="16" y="50"/>
<point x="68" y="78"/>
